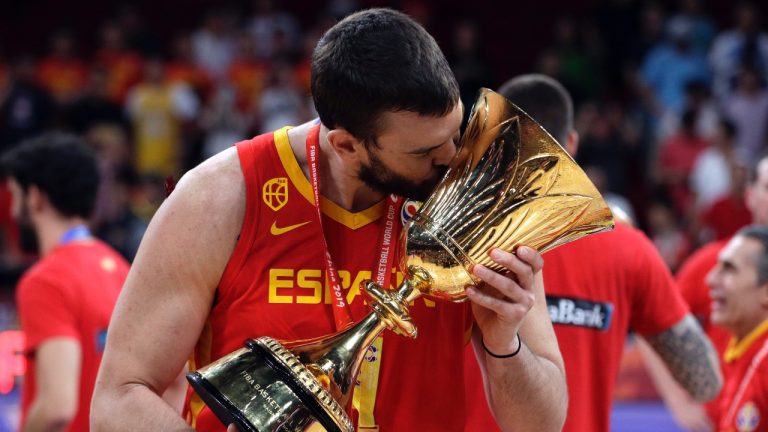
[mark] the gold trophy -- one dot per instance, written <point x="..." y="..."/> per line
<point x="510" y="184"/>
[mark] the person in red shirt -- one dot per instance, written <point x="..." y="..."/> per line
<point x="739" y="292"/>
<point x="183" y="69"/>
<point x="598" y="289"/>
<point x="248" y="75"/>
<point x="243" y="246"/>
<point x="65" y="300"/>
<point x="691" y="280"/>
<point x="124" y="66"/>
<point x="677" y="156"/>
<point x="61" y="72"/>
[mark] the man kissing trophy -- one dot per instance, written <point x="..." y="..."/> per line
<point x="510" y="183"/>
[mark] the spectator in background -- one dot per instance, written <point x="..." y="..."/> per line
<point x="652" y="19"/>
<point x="669" y="66"/>
<point x="182" y="68"/>
<point x="747" y="108"/>
<point x="728" y="213"/>
<point x="677" y="156"/>
<point x="159" y="111"/>
<point x="62" y="73"/>
<point x="698" y="97"/>
<point x="114" y="219"/>
<point x="691" y="14"/>
<point x="248" y="76"/>
<point x="94" y="106"/>
<point x="27" y="109"/>
<point x="65" y="300"/>
<point x="122" y="229"/>
<point x="137" y="37"/>
<point x="710" y="177"/>
<point x="213" y="46"/>
<point x="224" y="123"/>
<point x="282" y="102"/>
<point x="739" y="292"/>
<point x="123" y="65"/>
<point x="467" y="62"/>
<point x="577" y="68"/>
<point x="267" y="22"/>
<point x="627" y="33"/>
<point x="5" y="73"/>
<point x="602" y="145"/>
<point x="732" y="50"/>
<point x="669" y="238"/>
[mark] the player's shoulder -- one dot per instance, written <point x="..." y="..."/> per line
<point x="708" y="251"/>
<point x="217" y="181"/>
<point x="45" y="274"/>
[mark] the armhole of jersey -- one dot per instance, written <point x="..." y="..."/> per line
<point x="246" y="152"/>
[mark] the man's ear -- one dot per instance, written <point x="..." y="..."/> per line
<point x="346" y="145"/>
<point x="36" y="199"/>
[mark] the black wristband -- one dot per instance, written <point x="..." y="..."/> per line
<point x="519" y="345"/>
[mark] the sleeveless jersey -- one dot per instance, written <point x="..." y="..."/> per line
<point x="274" y="285"/>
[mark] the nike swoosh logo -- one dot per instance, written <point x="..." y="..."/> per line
<point x="276" y="231"/>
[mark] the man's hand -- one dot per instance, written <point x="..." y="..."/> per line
<point x="502" y="302"/>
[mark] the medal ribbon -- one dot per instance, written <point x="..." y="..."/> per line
<point x="385" y="258"/>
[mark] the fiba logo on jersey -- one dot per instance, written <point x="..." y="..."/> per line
<point x="748" y="418"/>
<point x="410" y="207"/>
<point x="275" y="193"/>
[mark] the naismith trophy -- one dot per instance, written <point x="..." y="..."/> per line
<point x="510" y="184"/>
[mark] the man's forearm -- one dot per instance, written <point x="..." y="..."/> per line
<point x="526" y="392"/>
<point x="117" y="411"/>
<point x="690" y="357"/>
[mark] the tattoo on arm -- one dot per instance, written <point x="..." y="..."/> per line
<point x="690" y="358"/>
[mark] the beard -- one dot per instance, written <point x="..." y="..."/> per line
<point x="28" y="240"/>
<point x="382" y="179"/>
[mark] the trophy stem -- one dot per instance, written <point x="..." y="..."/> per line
<point x="392" y="306"/>
<point x="335" y="360"/>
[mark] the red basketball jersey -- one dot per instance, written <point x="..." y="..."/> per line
<point x="70" y="293"/>
<point x="744" y="398"/>
<point x="598" y="288"/>
<point x="274" y="285"/>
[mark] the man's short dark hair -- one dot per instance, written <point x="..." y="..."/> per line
<point x="374" y="61"/>
<point x="61" y="166"/>
<point x="760" y="234"/>
<point x="544" y="99"/>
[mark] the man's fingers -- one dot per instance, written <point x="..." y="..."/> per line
<point x="504" y="285"/>
<point x="522" y="271"/>
<point x="531" y="257"/>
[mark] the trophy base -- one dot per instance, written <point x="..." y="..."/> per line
<point x="219" y="404"/>
<point x="263" y="388"/>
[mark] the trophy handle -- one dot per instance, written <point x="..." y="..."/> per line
<point x="392" y="306"/>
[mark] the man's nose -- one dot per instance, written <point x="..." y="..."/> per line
<point x="445" y="154"/>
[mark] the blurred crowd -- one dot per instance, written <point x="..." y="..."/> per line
<point x="672" y="110"/>
<point x="671" y="104"/>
